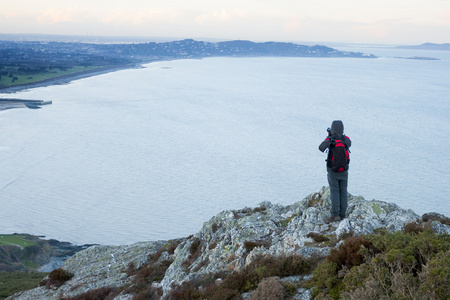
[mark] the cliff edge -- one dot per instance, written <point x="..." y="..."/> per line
<point x="228" y="243"/>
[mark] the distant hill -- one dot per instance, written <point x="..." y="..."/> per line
<point x="428" y="46"/>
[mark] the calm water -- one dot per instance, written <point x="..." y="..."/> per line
<point x="153" y="153"/>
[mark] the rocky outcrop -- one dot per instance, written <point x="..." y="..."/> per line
<point x="33" y="253"/>
<point x="231" y="241"/>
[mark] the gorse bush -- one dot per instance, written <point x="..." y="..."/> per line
<point x="414" y="264"/>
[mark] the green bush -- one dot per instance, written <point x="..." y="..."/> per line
<point x="414" y="264"/>
<point x="435" y="278"/>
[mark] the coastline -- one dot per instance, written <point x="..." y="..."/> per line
<point x="65" y="79"/>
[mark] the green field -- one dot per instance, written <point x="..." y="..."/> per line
<point x="14" y="239"/>
<point x="11" y="283"/>
<point x="14" y="77"/>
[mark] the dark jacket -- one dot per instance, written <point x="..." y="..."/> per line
<point x="336" y="133"/>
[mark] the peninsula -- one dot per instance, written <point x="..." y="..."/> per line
<point x="24" y="63"/>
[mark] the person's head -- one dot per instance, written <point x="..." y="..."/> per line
<point x="337" y="127"/>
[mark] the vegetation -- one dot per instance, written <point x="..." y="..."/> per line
<point x="14" y="75"/>
<point x="152" y="271"/>
<point x="231" y="286"/>
<point x="22" y="252"/>
<point x="56" y="278"/>
<point x="16" y="239"/>
<point x="14" y="282"/>
<point x="414" y="264"/>
<point x="317" y="237"/>
<point x="104" y="293"/>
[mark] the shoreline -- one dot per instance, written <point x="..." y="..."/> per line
<point x="65" y="79"/>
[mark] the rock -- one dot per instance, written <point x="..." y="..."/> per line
<point x="96" y="267"/>
<point x="232" y="240"/>
<point x="433" y="216"/>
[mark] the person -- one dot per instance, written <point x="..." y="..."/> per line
<point x="338" y="180"/>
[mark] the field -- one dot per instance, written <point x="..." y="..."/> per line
<point x="12" y="76"/>
<point x="17" y="240"/>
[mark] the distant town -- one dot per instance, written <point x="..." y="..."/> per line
<point x="28" y="62"/>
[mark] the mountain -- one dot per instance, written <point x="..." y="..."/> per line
<point x="428" y="46"/>
<point x="270" y="252"/>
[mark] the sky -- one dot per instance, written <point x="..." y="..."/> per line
<point x="345" y="21"/>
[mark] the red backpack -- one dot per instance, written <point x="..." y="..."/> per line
<point x="338" y="156"/>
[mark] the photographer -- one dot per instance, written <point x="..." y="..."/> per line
<point x="337" y="166"/>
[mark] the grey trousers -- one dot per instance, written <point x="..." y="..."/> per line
<point x="338" y="182"/>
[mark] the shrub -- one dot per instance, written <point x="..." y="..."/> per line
<point x="317" y="237"/>
<point x="435" y="277"/>
<point x="413" y="228"/>
<point x="195" y="247"/>
<point x="215" y="227"/>
<point x="260" y="209"/>
<point x="57" y="278"/>
<point x="242" y="281"/>
<point x="149" y="293"/>
<point x="324" y="277"/>
<point x="436" y="217"/>
<point x="104" y="293"/>
<point x="185" y="291"/>
<point x="153" y="270"/>
<point x="315" y="199"/>
<point x="250" y="245"/>
<point x="212" y="246"/>
<point x="269" y="289"/>
<point x="195" y="251"/>
<point x="131" y="269"/>
<point x="346" y="235"/>
<point x="173" y="246"/>
<point x="392" y="266"/>
<point x="350" y="253"/>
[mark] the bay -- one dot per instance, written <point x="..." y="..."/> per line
<point x="152" y="153"/>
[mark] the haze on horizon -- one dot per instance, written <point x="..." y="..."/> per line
<point x="347" y="21"/>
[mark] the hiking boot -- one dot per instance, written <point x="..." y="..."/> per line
<point x="332" y="219"/>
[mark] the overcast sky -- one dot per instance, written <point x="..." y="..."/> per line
<point x="353" y="21"/>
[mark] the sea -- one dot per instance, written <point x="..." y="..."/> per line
<point x="152" y="153"/>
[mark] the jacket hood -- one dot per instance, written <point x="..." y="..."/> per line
<point x="337" y="127"/>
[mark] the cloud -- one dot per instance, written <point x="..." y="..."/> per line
<point x="292" y="26"/>
<point x="140" y="17"/>
<point x="9" y="14"/>
<point x="220" y="16"/>
<point x="53" y="16"/>
<point x="444" y="17"/>
<point x="375" y="31"/>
